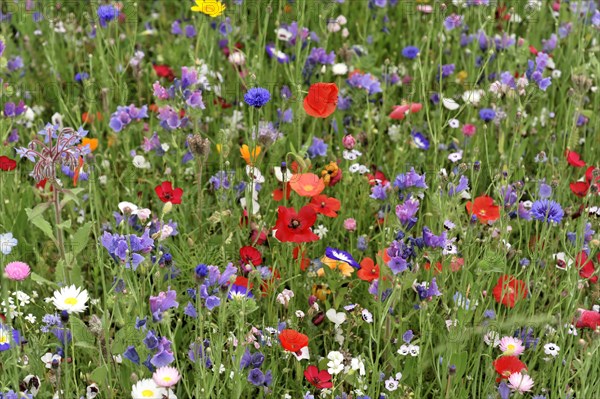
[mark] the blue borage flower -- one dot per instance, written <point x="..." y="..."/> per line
<point x="341" y="256"/>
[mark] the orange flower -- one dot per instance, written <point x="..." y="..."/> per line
<point x="307" y="184"/>
<point x="93" y="143"/>
<point x="250" y="158"/>
<point x="368" y="271"/>
<point x="484" y="209"/>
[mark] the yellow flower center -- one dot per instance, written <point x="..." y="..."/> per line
<point x="71" y="301"/>
<point x="510" y="347"/>
<point x="3" y="339"/>
<point x="167" y="379"/>
<point x="147" y="393"/>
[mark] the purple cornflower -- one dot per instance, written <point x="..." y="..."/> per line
<point x="433" y="241"/>
<point x="379" y="191"/>
<point x="463" y="184"/>
<point x="318" y="148"/>
<point x="427" y="291"/>
<point x="410" y="179"/>
<point x="256" y="377"/>
<point x="453" y="21"/>
<point x="319" y="56"/>
<point x="194" y="100"/>
<point x="128" y="250"/>
<point x="257" y="97"/>
<point x="547" y="211"/>
<point x="365" y="82"/>
<point x="407" y="211"/>
<point x="267" y="133"/>
<point x="190" y="31"/>
<point x="124" y="115"/>
<point x="221" y="180"/>
<point x="408" y="336"/>
<point x="176" y="27"/>
<point x="545" y="191"/>
<point x="447" y="70"/>
<point x="163" y="302"/>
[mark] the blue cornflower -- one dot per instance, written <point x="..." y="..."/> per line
<point x="257" y="97"/>
<point x="256" y="377"/>
<point x="318" y="148"/>
<point x="106" y="13"/>
<point x="420" y="140"/>
<point x="410" y="52"/>
<point x="547" y="211"/>
<point x="487" y="114"/>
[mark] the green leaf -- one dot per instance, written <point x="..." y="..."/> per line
<point x="41" y="280"/>
<point x="80" y="238"/>
<point x="81" y="334"/>
<point x="36" y="218"/>
<point x="65" y="225"/>
<point x="100" y="376"/>
<point x="70" y="195"/>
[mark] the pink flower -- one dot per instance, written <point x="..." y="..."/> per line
<point x="469" y="130"/>
<point x="520" y="382"/>
<point x="511" y="346"/>
<point x="350" y="224"/>
<point x="349" y="141"/>
<point x="17" y="271"/>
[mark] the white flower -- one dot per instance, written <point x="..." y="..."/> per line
<point x="71" y="299"/>
<point x="285" y="296"/>
<point x="335" y="364"/>
<point x="30" y="318"/>
<point x="340" y="69"/>
<point x="147" y="389"/>
<point x="556" y="74"/>
<point x="283" y="34"/>
<point x="304" y="354"/>
<point x="404" y="349"/>
<point x="357" y="365"/>
<point x="48" y="358"/>
<point x="354" y="168"/>
<point x="254" y="174"/>
<point x="455" y="156"/>
<point x="127" y="207"/>
<point x="282" y="176"/>
<point x="414" y="350"/>
<point x="571" y="330"/>
<point x="450" y="104"/>
<point x="7" y="243"/>
<point x="336" y="317"/>
<point x="367" y="316"/>
<point x="57" y="119"/>
<point x="473" y="96"/>
<point x="237" y="58"/>
<point x="551" y="349"/>
<point x="321" y="231"/>
<point x="300" y="314"/>
<point x="140" y="162"/>
<point x="391" y="384"/>
<point x="562" y="262"/>
<point x="492" y="338"/>
<point x="454" y="123"/>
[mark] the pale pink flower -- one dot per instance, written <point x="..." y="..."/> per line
<point x="166" y="377"/>
<point x="520" y="382"/>
<point x="511" y="346"/>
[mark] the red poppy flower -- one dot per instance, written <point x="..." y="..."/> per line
<point x="368" y="271"/>
<point x="533" y="50"/>
<point x="437" y="267"/>
<point x="250" y="255"/>
<point x="307" y="184"/>
<point x="166" y="193"/>
<point x="243" y="282"/>
<point x="507" y="365"/>
<point x="324" y="205"/>
<point x="278" y="192"/>
<point x="377" y="178"/>
<point x="401" y="111"/>
<point x="292" y="340"/>
<point x="588" y="319"/>
<point x="574" y="159"/>
<point x="580" y="188"/>
<point x="164" y="71"/>
<point x="509" y="290"/>
<point x="586" y="267"/>
<point x="7" y="164"/>
<point x="484" y="209"/>
<point x="319" y="379"/>
<point x="321" y="100"/>
<point x="295" y="227"/>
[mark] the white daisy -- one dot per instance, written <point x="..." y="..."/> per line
<point x="71" y="299"/>
<point x="551" y="349"/>
<point x="147" y="389"/>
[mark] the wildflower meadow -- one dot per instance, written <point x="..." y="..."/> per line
<point x="299" y="199"/>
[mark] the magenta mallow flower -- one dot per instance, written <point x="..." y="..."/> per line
<point x="17" y="271"/>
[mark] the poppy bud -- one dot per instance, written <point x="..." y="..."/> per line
<point x="318" y="319"/>
<point x="167" y="207"/>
